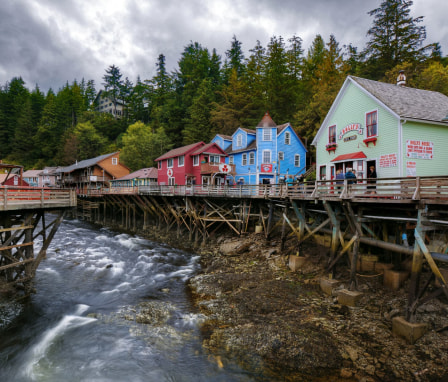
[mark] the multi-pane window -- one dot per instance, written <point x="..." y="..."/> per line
<point x="239" y="140"/>
<point x="231" y="159"/>
<point x="252" y="158"/>
<point x="332" y="134"/>
<point x="281" y="155"/>
<point x="170" y="162"/>
<point x="180" y="161"/>
<point x="371" y="124"/>
<point x="287" y="138"/>
<point x="196" y="160"/>
<point x="159" y="164"/>
<point x="297" y="160"/>
<point x="266" y="156"/>
<point x="114" y="161"/>
<point x="244" y="160"/>
<point x="214" y="159"/>
<point x="267" y="134"/>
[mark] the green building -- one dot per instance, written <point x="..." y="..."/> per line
<point x="400" y="130"/>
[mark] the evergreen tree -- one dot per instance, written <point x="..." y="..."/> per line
<point x="235" y="59"/>
<point x="113" y="85"/>
<point x="395" y="37"/>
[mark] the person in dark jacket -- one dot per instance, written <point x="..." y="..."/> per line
<point x="350" y="176"/>
<point x="371" y="175"/>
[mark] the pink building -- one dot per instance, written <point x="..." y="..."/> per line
<point x="198" y="163"/>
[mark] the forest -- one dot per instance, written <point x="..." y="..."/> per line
<point x="208" y="94"/>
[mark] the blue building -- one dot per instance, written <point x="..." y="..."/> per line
<point x="266" y="155"/>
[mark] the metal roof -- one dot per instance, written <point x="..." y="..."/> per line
<point x="85" y="163"/>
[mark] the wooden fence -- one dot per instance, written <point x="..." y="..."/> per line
<point x="19" y="198"/>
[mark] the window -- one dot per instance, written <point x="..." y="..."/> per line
<point x="371" y="124"/>
<point x="332" y="134"/>
<point x="266" y="156"/>
<point x="214" y="159"/>
<point x="297" y="160"/>
<point x="181" y="160"/>
<point x="281" y="155"/>
<point x="287" y="138"/>
<point x="266" y="134"/>
<point x="252" y="158"/>
<point x="159" y="164"/>
<point x="239" y="140"/>
<point x="231" y="159"/>
<point x="170" y="162"/>
<point x="196" y="160"/>
<point x="115" y="161"/>
<point x="244" y="160"/>
<point x="171" y="181"/>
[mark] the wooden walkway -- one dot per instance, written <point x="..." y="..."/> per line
<point x="25" y="198"/>
<point x="391" y="190"/>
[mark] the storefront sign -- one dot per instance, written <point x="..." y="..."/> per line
<point x="411" y="168"/>
<point x="352" y="127"/>
<point x="225" y="168"/>
<point x="388" y="160"/>
<point x="350" y="138"/>
<point x="419" y="149"/>
<point x="266" y="168"/>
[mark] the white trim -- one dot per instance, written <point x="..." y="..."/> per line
<point x="251" y="154"/>
<point x="168" y="162"/>
<point x="244" y="159"/>
<point x="183" y="161"/>
<point x="400" y="148"/>
<point x="194" y="157"/>
<point x="377" y="123"/>
<point x="270" y="157"/>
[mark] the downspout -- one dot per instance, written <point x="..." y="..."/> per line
<point x="400" y="146"/>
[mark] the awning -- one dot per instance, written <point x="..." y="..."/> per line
<point x="358" y="155"/>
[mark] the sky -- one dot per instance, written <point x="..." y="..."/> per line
<point x="50" y="42"/>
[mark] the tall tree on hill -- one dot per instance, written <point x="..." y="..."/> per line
<point x="113" y="85"/>
<point x="395" y="37"/>
<point x="234" y="59"/>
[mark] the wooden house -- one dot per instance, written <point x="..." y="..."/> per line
<point x="197" y="163"/>
<point x="142" y="177"/>
<point x="402" y="131"/>
<point x="92" y="174"/>
<point x="13" y="180"/>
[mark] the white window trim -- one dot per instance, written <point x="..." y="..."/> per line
<point x="239" y="140"/>
<point x="287" y="141"/>
<point x="377" y="124"/>
<point x="231" y="159"/>
<point x="281" y="155"/>
<point x="195" y="160"/>
<point x="251" y="158"/>
<point x="114" y="161"/>
<point x="270" y="157"/>
<point x="183" y="161"/>
<point x="168" y="162"/>
<point x="267" y="132"/>
<point x="297" y="156"/>
<point x="244" y="159"/>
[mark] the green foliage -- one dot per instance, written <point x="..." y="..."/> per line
<point x="141" y="145"/>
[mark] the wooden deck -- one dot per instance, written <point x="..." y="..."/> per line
<point x="25" y="198"/>
<point x="390" y="190"/>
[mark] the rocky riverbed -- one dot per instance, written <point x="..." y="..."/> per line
<point x="278" y="322"/>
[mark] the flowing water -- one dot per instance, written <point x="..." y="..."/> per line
<point x="85" y="322"/>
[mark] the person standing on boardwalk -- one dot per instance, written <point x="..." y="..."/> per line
<point x="350" y="176"/>
<point x="371" y="183"/>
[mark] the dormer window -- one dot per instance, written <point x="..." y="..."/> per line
<point x="239" y="140"/>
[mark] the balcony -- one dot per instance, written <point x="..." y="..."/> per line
<point x="214" y="168"/>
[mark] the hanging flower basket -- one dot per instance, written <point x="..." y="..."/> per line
<point x="331" y="146"/>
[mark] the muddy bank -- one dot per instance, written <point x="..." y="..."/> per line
<point x="279" y="324"/>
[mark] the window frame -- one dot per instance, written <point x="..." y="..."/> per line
<point x="251" y="158"/>
<point x="267" y="135"/>
<point x="263" y="157"/>
<point x="231" y="159"/>
<point x="239" y="140"/>
<point x="168" y="165"/>
<point x="287" y="138"/>
<point x="244" y="159"/>
<point x="332" y="134"/>
<point x="296" y="160"/>
<point x="195" y="160"/>
<point x="281" y="155"/>
<point x="179" y="164"/>
<point x="370" y="125"/>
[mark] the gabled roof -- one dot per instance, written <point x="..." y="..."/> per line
<point x="180" y="151"/>
<point x="143" y="173"/>
<point x="32" y="173"/>
<point x="402" y="101"/>
<point x="85" y="163"/>
<point x="225" y="137"/>
<point x="206" y="147"/>
<point x="252" y="146"/>
<point x="266" y="121"/>
<point x="408" y="102"/>
<point x="248" y="131"/>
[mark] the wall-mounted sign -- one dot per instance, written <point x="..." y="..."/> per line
<point x="352" y="127"/>
<point x="350" y="138"/>
<point x="169" y="172"/>
<point x="388" y="160"/>
<point x="266" y="167"/>
<point x="419" y="149"/>
<point x="93" y="178"/>
<point x="225" y="168"/>
<point x="411" y="168"/>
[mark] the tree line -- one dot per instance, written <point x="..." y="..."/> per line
<point x="208" y="94"/>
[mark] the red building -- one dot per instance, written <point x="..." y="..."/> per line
<point x="198" y="163"/>
<point x="12" y="180"/>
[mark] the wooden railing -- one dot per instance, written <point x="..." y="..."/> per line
<point x="18" y="198"/>
<point x="396" y="189"/>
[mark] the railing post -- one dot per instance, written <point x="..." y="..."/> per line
<point x="42" y="197"/>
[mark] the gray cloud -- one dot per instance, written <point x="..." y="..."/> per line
<point x="50" y="42"/>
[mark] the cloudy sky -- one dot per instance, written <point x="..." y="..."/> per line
<point x="50" y="42"/>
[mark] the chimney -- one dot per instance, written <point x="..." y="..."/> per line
<point x="401" y="79"/>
